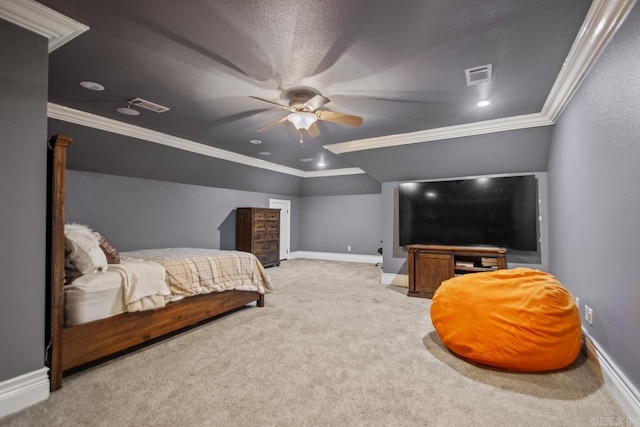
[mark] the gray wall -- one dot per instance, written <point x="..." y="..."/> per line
<point x="594" y="198"/>
<point x="23" y="183"/>
<point x="331" y="223"/>
<point x="395" y="256"/>
<point x="515" y="151"/>
<point x="94" y="150"/>
<point x="340" y="185"/>
<point x="135" y="213"/>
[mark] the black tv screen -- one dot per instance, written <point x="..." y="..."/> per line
<point x="471" y="212"/>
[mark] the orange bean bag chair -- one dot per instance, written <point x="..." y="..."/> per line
<point x="519" y="319"/>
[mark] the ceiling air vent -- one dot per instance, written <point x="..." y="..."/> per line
<point x="477" y="75"/>
<point x="143" y="103"/>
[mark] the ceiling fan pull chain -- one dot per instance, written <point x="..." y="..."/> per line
<point x="301" y="141"/>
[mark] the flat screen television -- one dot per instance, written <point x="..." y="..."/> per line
<point x="498" y="211"/>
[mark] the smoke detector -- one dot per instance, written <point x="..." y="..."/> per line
<point x="477" y="75"/>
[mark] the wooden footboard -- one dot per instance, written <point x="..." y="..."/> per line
<point x="91" y="341"/>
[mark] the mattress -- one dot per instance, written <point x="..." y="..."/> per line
<point x="128" y="286"/>
<point x="92" y="297"/>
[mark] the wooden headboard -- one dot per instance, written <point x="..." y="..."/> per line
<point x="58" y="160"/>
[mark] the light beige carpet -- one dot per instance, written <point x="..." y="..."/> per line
<point x="332" y="347"/>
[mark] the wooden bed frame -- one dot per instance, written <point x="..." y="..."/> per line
<point x="76" y="345"/>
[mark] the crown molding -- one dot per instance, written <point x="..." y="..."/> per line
<point x="458" y="131"/>
<point x="333" y="172"/>
<point x="83" y="118"/>
<point x="56" y="27"/>
<point x="603" y="20"/>
<point x="59" y="112"/>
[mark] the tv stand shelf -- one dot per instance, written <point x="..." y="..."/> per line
<point x="430" y="265"/>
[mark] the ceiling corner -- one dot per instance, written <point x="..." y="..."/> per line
<point x="602" y="21"/>
<point x="33" y="16"/>
<point x="82" y="118"/>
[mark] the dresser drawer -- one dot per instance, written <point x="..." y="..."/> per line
<point x="261" y="248"/>
<point x="265" y="237"/>
<point x="268" y="258"/>
<point x="273" y="215"/>
<point x="266" y="214"/>
<point x="259" y="226"/>
<point x="259" y="214"/>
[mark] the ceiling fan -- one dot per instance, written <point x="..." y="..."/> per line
<point x="304" y="107"/>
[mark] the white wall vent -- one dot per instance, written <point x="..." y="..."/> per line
<point x="143" y="103"/>
<point x="477" y="75"/>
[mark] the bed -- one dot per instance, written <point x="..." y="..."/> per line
<point x="101" y="312"/>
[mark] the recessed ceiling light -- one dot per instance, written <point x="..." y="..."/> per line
<point x="91" y="85"/>
<point x="255" y="141"/>
<point x="483" y="103"/>
<point x="321" y="164"/>
<point x="264" y="153"/>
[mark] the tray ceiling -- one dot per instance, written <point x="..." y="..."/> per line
<point x="398" y="65"/>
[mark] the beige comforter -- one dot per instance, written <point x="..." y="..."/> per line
<point x="143" y="285"/>
<point x="201" y="271"/>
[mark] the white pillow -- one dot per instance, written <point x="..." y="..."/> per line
<point x="84" y="247"/>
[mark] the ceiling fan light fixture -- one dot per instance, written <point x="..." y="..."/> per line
<point x="302" y="120"/>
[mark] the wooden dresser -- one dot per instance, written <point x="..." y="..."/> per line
<point x="258" y="232"/>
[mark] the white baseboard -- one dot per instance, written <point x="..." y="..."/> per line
<point x="621" y="388"/>
<point x="22" y="391"/>
<point x="401" y="280"/>
<point x="330" y="256"/>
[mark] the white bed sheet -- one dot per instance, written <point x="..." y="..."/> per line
<point x="94" y="296"/>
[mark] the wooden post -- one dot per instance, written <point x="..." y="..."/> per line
<point x="58" y="144"/>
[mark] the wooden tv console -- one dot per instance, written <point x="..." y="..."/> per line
<point x="430" y="265"/>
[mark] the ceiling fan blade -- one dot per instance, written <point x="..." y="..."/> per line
<point x="316" y="102"/>
<point x="270" y="125"/>
<point x="313" y="130"/>
<point x="345" y="119"/>
<point x="270" y="102"/>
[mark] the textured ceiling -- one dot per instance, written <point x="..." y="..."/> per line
<point x="400" y="65"/>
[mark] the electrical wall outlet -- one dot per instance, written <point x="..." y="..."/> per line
<point x="588" y="314"/>
<point x="348" y="248"/>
